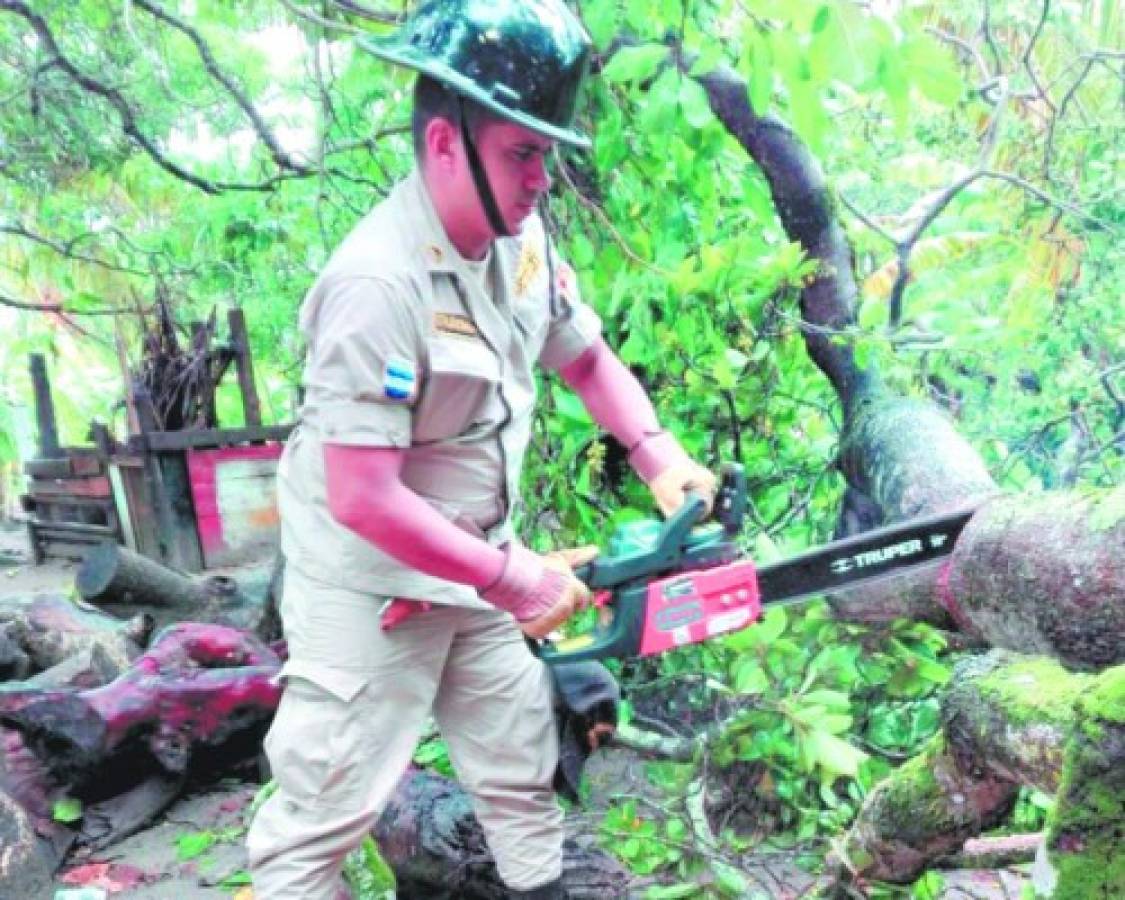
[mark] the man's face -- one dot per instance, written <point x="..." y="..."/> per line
<point x="515" y="160"/>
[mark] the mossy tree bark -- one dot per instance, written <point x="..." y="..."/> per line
<point x="1008" y="720"/>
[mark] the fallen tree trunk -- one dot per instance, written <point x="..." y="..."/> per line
<point x="1007" y="721"/>
<point x="196" y="685"/>
<point x="124" y="747"/>
<point x="1034" y="574"/>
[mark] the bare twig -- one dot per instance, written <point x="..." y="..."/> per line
<point x="67" y="248"/>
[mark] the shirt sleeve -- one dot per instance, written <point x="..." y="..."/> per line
<point x="364" y="361"/>
<point x="573" y="326"/>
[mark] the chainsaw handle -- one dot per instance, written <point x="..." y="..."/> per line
<point x="621" y="636"/>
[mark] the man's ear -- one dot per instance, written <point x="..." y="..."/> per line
<point x="442" y="142"/>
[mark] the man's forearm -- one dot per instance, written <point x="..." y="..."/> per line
<point x="366" y="494"/>
<point x="619" y="404"/>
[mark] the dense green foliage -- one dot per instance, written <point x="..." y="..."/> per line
<point x="216" y="151"/>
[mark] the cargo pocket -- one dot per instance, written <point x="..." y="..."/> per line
<point x="460" y="387"/>
<point x="309" y="744"/>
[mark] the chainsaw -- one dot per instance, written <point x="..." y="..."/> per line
<point x="671" y="584"/>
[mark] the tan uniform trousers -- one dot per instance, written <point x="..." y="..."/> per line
<point x="348" y="724"/>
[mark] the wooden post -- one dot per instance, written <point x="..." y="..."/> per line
<point x="49" y="447"/>
<point x="133" y="422"/>
<point x="165" y="519"/>
<point x="251" y="408"/>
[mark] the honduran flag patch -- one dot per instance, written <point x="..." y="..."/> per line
<point x="398" y="378"/>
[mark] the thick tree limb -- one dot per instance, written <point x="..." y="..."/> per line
<point x="430" y="837"/>
<point x="197" y="685"/>
<point x="1007" y="721"/>
<point x="808" y="214"/>
<point x="51" y="628"/>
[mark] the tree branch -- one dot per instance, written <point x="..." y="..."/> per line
<point x="59" y="309"/>
<point x="280" y="157"/>
<point x="67" y="249"/>
<point x="122" y="107"/>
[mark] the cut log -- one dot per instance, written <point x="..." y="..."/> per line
<point x="112" y="574"/>
<point x="129" y="582"/>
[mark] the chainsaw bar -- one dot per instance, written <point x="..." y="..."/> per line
<point x="862" y="558"/>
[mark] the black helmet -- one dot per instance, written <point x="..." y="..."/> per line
<point x="524" y="60"/>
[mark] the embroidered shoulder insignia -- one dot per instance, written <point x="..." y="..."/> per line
<point x="451" y="323"/>
<point x="529" y="265"/>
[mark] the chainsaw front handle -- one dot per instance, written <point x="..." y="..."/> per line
<point x="621" y="635"/>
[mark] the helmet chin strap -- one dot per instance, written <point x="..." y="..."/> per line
<point x="480" y="179"/>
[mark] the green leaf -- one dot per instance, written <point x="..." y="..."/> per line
<point x="241" y="878"/>
<point x="673" y="891"/>
<point x="634" y="63"/>
<point x="694" y="104"/>
<point x="570" y="407"/>
<point x="821" y="19"/>
<point x="749" y="677"/>
<point x="834" y="756"/>
<point x="190" y="846"/>
<point x="66" y="810"/>
<point x="729" y="881"/>
<point x="933" y="70"/>
<point x="760" y="82"/>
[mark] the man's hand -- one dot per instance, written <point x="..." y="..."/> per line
<point x="576" y="596"/>
<point x="671" y="487"/>
<point x="540" y="590"/>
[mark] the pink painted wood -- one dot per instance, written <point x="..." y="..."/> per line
<point x="235" y="497"/>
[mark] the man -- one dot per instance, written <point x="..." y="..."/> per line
<point x="406" y="591"/>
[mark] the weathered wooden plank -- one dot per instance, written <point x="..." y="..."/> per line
<point x="86" y="465"/>
<point x="215" y="437"/>
<point x="44" y="408"/>
<point x="56" y="501"/>
<point x="77" y="529"/>
<point x="95" y="486"/>
<point x="48" y="468"/>
<point x="183" y="541"/>
<point x="245" y="363"/>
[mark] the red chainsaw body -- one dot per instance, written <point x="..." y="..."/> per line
<point x="690" y="607"/>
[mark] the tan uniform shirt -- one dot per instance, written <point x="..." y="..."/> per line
<point x="406" y="349"/>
